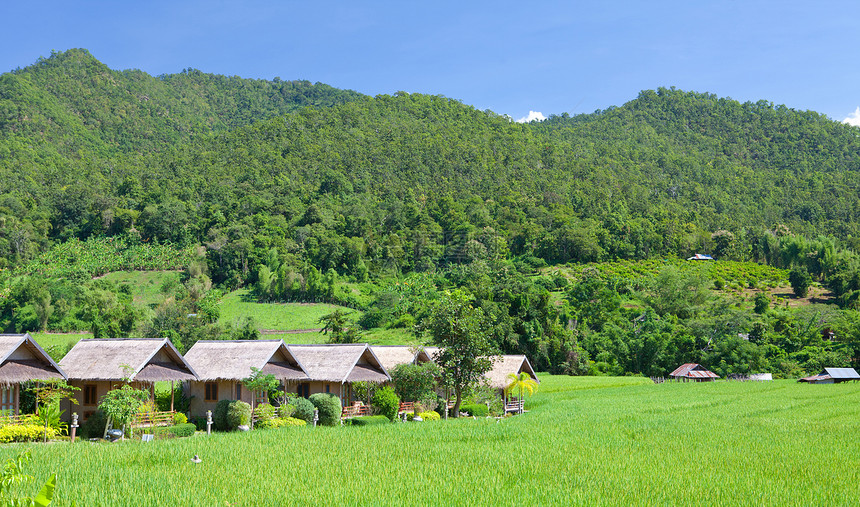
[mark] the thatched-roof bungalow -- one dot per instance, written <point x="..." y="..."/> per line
<point x="333" y="368"/>
<point x="98" y="365"/>
<point x="21" y="360"/>
<point x="392" y="355"/>
<point x="693" y="372"/>
<point x="833" y="376"/>
<point x="221" y="365"/>
<point x="503" y="366"/>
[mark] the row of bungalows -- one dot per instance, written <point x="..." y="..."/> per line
<point x="211" y="370"/>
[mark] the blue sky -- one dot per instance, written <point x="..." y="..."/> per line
<point x="509" y="57"/>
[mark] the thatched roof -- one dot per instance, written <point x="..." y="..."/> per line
<point x="505" y="365"/>
<point x="150" y="359"/>
<point x="392" y="355"/>
<point x="233" y="359"/>
<point x="340" y="362"/>
<point x="431" y="352"/>
<point x="22" y="359"/>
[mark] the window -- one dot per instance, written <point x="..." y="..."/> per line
<point x="90" y="395"/>
<point x="304" y="390"/>
<point x="238" y="391"/>
<point x="328" y="388"/>
<point x="211" y="391"/>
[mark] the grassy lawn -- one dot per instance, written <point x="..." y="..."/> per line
<point x="372" y="336"/>
<point x="276" y="316"/>
<point x="145" y="285"/>
<point x="585" y="441"/>
<point x="62" y="340"/>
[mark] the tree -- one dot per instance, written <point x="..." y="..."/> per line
<point x="336" y="324"/>
<point x="49" y="393"/>
<point x="800" y="280"/>
<point x="120" y="405"/>
<point x="522" y="382"/>
<point x="462" y="331"/>
<point x="416" y="382"/>
<point x="259" y="383"/>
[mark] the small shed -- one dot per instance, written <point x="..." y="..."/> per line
<point x="693" y="372"/>
<point x="22" y="360"/>
<point x="222" y="364"/>
<point x="700" y="257"/>
<point x="98" y="365"/>
<point x="332" y="368"/>
<point x="832" y="376"/>
<point x="503" y="366"/>
<point x="392" y="355"/>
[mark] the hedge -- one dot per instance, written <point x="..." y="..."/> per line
<point x="476" y="410"/>
<point x="304" y="409"/>
<point x="329" y="408"/>
<point x="179" y="430"/>
<point x="368" y="420"/>
<point x="386" y="402"/>
<point x="24" y="433"/>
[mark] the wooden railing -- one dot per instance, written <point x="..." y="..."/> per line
<point x="514" y="405"/>
<point x="354" y="411"/>
<point x="151" y="419"/>
<point x="6" y="420"/>
<point x="406" y="407"/>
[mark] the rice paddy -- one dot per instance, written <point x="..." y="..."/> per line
<point x="586" y="440"/>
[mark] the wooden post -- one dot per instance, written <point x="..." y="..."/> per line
<point x="171" y="396"/>
<point x="17" y="399"/>
<point x="74" y="426"/>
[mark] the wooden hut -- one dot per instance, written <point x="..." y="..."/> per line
<point x="832" y="376"/>
<point x="333" y="368"/>
<point x="503" y="366"/>
<point x="693" y="372"/>
<point x="392" y="355"/>
<point x="22" y="360"/>
<point x="221" y="365"/>
<point x="98" y="365"/>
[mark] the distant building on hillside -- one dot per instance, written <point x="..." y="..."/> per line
<point x="700" y="257"/>
<point x="832" y="376"/>
<point x="693" y="372"/>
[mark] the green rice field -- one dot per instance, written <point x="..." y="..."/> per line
<point x="275" y="316"/>
<point x="584" y="441"/>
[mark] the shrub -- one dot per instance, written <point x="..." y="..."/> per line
<point x="430" y="416"/>
<point x="199" y="422"/>
<point x="292" y="421"/>
<point x="304" y="410"/>
<point x="475" y="410"/>
<point x="368" y="420"/>
<point x="179" y="430"/>
<point x="329" y="408"/>
<point x="264" y="412"/>
<point x="94" y="427"/>
<point x="24" y="433"/>
<point x="219" y="417"/>
<point x="386" y="402"/>
<point x="238" y="414"/>
<point x="179" y="418"/>
<point x="287" y="411"/>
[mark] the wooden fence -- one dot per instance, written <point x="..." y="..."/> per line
<point x="152" y="419"/>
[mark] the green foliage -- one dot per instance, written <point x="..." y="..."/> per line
<point x="329" y="408"/>
<point x="179" y="418"/>
<point x="762" y="303"/>
<point x="24" y="433"/>
<point x="430" y="416"/>
<point x="416" y="382"/>
<point x="475" y="410"/>
<point x="94" y="426"/>
<point x="13" y="476"/>
<point x="177" y="430"/>
<point x="219" y="415"/>
<point x="180" y="400"/>
<point x="386" y="402"/>
<point x="368" y="420"/>
<point x="265" y="412"/>
<point x="304" y="409"/>
<point x="238" y="414"/>
<point x="800" y="281"/>
<point x="121" y="404"/>
<point x="286" y="411"/>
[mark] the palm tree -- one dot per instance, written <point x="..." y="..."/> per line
<point x="521" y="382"/>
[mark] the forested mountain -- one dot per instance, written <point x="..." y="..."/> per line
<point x="284" y="181"/>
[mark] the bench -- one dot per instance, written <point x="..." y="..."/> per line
<point x="406" y="407"/>
<point x="354" y="410"/>
<point x="515" y="406"/>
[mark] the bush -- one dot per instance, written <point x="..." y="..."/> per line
<point x="238" y="414"/>
<point x="475" y="410"/>
<point x="329" y="408"/>
<point x="386" y="402"/>
<point x="368" y="420"/>
<point x="304" y="410"/>
<point x="287" y="411"/>
<point x="280" y="422"/>
<point x="179" y="418"/>
<point x="199" y="422"/>
<point x="179" y="430"/>
<point x="94" y="427"/>
<point x="219" y="416"/>
<point x="430" y="416"/>
<point x="24" y="433"/>
<point x="292" y="421"/>
<point x="265" y="412"/>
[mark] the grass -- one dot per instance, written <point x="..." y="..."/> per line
<point x="275" y="316"/>
<point x="145" y="285"/>
<point x="614" y="441"/>
<point x="62" y="341"/>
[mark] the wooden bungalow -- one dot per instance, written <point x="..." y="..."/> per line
<point x="333" y="368"/>
<point x="392" y="355"/>
<point x="221" y="365"/>
<point x="22" y="360"/>
<point x="832" y="376"/>
<point x="499" y="378"/>
<point x="693" y="372"/>
<point x="98" y="365"/>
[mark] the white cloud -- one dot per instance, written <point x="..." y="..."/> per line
<point x="537" y="115"/>
<point x="853" y="118"/>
